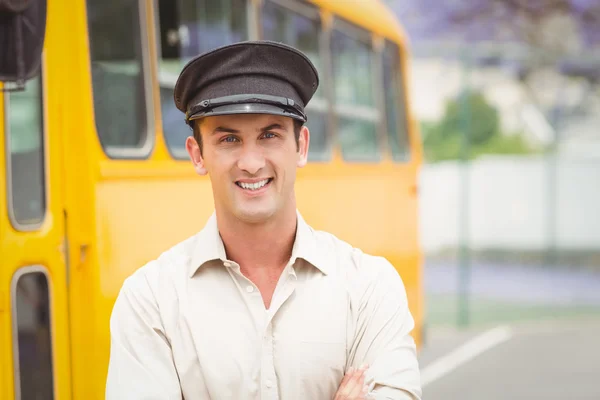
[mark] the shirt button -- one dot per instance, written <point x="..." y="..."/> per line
<point x="269" y="383"/>
<point x="249" y="289"/>
<point x="227" y="264"/>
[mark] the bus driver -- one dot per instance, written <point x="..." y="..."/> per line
<point x="257" y="304"/>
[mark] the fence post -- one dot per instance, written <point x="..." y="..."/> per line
<point x="552" y="158"/>
<point x="464" y="256"/>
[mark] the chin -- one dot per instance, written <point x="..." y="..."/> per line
<point x="255" y="215"/>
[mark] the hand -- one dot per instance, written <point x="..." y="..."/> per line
<point x="353" y="385"/>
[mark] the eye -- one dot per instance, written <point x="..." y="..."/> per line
<point x="229" y="139"/>
<point x="269" y="135"/>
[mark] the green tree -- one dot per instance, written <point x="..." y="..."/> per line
<point x="484" y="120"/>
<point x="444" y="140"/>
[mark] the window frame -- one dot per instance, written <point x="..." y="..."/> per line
<point x="18" y="274"/>
<point x="144" y="151"/>
<point x="44" y="151"/>
<point x="376" y="115"/>
<point x="323" y="105"/>
<point x="306" y="10"/>
<point x="254" y="19"/>
<point x="253" y="28"/>
<point x="400" y="91"/>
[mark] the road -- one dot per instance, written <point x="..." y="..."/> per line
<point x="556" y="359"/>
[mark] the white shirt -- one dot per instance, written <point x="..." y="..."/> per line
<point x="190" y="325"/>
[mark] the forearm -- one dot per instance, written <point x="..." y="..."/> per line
<point x="383" y="339"/>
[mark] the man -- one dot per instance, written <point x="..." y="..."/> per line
<point x="258" y="305"/>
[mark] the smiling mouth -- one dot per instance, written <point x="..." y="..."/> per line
<point x="255" y="185"/>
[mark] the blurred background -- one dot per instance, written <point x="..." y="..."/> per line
<point x="508" y="97"/>
<point x="503" y="277"/>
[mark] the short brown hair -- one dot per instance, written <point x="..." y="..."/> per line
<point x="297" y="127"/>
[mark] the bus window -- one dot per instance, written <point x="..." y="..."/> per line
<point x="397" y="128"/>
<point x="118" y="69"/>
<point x="25" y="156"/>
<point x="32" y="336"/>
<point x="301" y="28"/>
<point x="187" y="29"/>
<point x="355" y="105"/>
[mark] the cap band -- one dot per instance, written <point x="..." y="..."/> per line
<point x="212" y="106"/>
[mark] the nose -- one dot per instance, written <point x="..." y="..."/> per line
<point x="251" y="160"/>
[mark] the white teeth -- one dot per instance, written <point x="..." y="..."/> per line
<point x="254" y="186"/>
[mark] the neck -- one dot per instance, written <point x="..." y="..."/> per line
<point x="259" y="246"/>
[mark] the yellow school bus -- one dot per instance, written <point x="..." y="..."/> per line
<point x="95" y="181"/>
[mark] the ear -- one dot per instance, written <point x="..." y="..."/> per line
<point x="303" y="142"/>
<point x="195" y="155"/>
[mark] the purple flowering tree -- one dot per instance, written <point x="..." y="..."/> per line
<point x="557" y="32"/>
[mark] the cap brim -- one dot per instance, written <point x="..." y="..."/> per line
<point x="247" y="108"/>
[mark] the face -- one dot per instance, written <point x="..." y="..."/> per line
<point x="251" y="160"/>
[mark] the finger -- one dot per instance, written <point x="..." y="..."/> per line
<point x="362" y="384"/>
<point x="361" y="372"/>
<point x="354" y="377"/>
<point x="365" y="392"/>
<point x="343" y="389"/>
<point x="357" y="388"/>
<point x="354" y="384"/>
<point x="348" y="384"/>
<point x="348" y="375"/>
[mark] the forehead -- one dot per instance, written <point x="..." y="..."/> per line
<point x="246" y="121"/>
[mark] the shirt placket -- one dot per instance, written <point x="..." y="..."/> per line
<point x="269" y="384"/>
<point x="255" y="305"/>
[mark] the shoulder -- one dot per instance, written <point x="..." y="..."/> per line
<point x="150" y="295"/>
<point x="353" y="264"/>
<point x="158" y="274"/>
<point x="371" y="283"/>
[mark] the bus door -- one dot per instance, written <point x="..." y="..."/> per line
<point x="33" y="270"/>
<point x="34" y="334"/>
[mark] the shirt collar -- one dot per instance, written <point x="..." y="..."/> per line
<point x="306" y="246"/>
<point x="209" y="246"/>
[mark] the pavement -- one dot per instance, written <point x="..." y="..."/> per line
<point x="533" y="332"/>
<point x="551" y="359"/>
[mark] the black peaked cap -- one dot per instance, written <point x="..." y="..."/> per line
<point x="247" y="77"/>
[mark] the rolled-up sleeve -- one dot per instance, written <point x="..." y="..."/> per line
<point x="382" y="334"/>
<point x="141" y="363"/>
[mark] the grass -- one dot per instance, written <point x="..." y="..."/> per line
<point x="442" y="310"/>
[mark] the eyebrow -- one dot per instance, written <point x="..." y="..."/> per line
<point x="271" y="127"/>
<point x="222" y="129"/>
